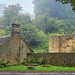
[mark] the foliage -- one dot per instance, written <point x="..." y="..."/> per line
<point x="40" y="22"/>
<point x="8" y="30"/>
<point x="53" y="25"/>
<point x="31" y="60"/>
<point x="55" y="34"/>
<point x="24" y="19"/>
<point x="34" y="37"/>
<point x="73" y="32"/>
<point x="51" y="8"/>
<point x="59" y="26"/>
<point x="11" y="14"/>
<point x="53" y="17"/>
<point x="68" y="1"/>
<point x="4" y="64"/>
<point x="42" y="45"/>
<point x="41" y="61"/>
<point x="29" y="33"/>
<point x="2" y="32"/>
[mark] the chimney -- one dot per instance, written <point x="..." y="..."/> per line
<point x="15" y="29"/>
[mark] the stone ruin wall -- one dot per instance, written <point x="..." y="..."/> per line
<point x="62" y="43"/>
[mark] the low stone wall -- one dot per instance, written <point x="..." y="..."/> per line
<point x="58" y="59"/>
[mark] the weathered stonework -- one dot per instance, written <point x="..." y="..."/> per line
<point x="14" y="49"/>
<point x="57" y="59"/>
<point x="62" y="43"/>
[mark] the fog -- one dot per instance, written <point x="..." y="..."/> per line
<point x="27" y="5"/>
<point x="50" y="18"/>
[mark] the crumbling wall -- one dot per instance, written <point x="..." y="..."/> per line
<point x="62" y="43"/>
<point x="54" y="44"/>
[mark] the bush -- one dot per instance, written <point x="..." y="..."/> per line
<point x="31" y="60"/>
<point x="41" y="61"/>
<point x="4" y="64"/>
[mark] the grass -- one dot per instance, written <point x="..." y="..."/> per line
<point x="39" y="68"/>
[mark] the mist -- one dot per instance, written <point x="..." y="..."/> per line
<point x="26" y="5"/>
<point x="50" y="18"/>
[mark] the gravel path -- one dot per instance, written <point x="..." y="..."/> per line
<point x="37" y="73"/>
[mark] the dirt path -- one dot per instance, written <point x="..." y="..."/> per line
<point x="36" y="73"/>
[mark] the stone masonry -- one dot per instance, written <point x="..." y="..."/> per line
<point x="13" y="48"/>
<point x="64" y="43"/>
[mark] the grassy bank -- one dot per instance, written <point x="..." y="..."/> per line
<point x="39" y="68"/>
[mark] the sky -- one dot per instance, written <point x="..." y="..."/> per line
<point x="26" y="4"/>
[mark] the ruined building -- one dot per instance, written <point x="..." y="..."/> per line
<point x="62" y="43"/>
<point x="13" y="48"/>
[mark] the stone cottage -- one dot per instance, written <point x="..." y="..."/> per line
<point x="13" y="48"/>
<point x="64" y="43"/>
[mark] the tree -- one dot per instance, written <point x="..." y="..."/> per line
<point x="11" y="13"/>
<point x="1" y="9"/>
<point x="24" y="19"/>
<point x="72" y="2"/>
<point x="40" y="22"/>
<point x="29" y="33"/>
<point x="8" y="30"/>
<point x="37" y="39"/>
<point x="51" y="8"/>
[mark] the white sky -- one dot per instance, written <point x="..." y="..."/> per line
<point x="26" y="4"/>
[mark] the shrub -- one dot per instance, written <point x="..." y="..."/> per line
<point x="4" y="64"/>
<point x="31" y="60"/>
<point x="28" y="60"/>
<point x="41" y="61"/>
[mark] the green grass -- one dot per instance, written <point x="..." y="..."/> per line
<point x="39" y="68"/>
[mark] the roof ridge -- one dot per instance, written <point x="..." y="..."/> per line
<point x="4" y="39"/>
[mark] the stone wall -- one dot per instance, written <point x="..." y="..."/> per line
<point x="58" y="59"/>
<point x="14" y="47"/>
<point x="62" y="43"/>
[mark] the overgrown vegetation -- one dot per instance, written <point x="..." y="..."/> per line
<point x="33" y="61"/>
<point x="4" y="64"/>
<point x="51" y="18"/>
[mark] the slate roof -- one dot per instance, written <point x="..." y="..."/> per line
<point x="4" y="39"/>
